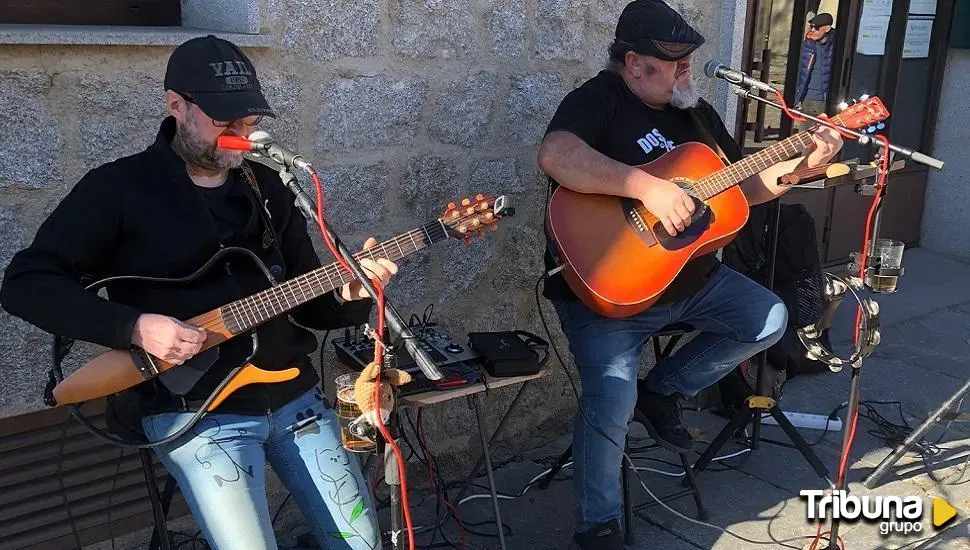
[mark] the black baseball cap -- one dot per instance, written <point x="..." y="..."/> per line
<point x="821" y="20"/>
<point x="218" y="77"/>
<point x="651" y="27"/>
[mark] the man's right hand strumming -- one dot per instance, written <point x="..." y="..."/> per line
<point x="666" y="200"/>
<point x="167" y="338"/>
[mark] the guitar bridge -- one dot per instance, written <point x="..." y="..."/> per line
<point x="145" y="363"/>
<point x="636" y="220"/>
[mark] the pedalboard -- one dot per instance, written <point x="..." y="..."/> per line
<point x="453" y="357"/>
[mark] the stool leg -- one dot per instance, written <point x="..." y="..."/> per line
<point x="689" y="473"/>
<point x="627" y="503"/>
<point x="160" y="533"/>
<point x="563" y="459"/>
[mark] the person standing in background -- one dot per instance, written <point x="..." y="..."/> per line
<point x="815" y="67"/>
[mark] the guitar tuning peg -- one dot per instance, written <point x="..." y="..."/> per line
<point x="468" y="241"/>
<point x="493" y="227"/>
<point x="479" y="197"/>
<point x="451" y="206"/>
<point x="465" y="202"/>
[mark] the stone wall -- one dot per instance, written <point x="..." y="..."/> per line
<point x="402" y="105"/>
<point x="943" y="228"/>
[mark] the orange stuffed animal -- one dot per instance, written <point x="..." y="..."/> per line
<point x="364" y="392"/>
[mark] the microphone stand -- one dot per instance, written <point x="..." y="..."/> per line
<point x="872" y="268"/>
<point x="396" y="325"/>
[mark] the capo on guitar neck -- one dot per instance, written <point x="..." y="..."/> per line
<point x="817" y="173"/>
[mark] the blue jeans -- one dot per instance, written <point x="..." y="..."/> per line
<point x="736" y="318"/>
<point x="219" y="467"/>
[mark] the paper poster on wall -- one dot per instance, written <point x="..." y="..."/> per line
<point x="922" y="7"/>
<point x="872" y="35"/>
<point x="877" y="8"/>
<point x="917" y="42"/>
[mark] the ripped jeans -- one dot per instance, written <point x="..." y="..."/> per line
<point x="219" y="467"/>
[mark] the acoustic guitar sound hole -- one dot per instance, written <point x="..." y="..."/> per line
<point x="701" y="219"/>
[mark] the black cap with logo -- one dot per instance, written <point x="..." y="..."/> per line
<point x="218" y="77"/>
<point x="651" y="27"/>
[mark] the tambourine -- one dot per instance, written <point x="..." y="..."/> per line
<point x="869" y="337"/>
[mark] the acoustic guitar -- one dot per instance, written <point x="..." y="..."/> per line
<point x="117" y="370"/>
<point x="618" y="258"/>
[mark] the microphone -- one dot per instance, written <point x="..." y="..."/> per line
<point x="262" y="143"/>
<point x="716" y="69"/>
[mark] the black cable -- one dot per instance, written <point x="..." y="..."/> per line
<point x="441" y="489"/>
<point x="60" y="480"/>
<point x="276" y="516"/>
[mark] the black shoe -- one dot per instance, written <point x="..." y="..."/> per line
<point x="660" y="415"/>
<point x="607" y="536"/>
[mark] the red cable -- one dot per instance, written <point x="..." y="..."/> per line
<point x="378" y="355"/>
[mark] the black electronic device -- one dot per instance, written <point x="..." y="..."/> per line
<point x="456" y="359"/>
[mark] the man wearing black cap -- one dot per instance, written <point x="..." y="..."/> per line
<point x="815" y="66"/>
<point x="163" y="213"/>
<point x="642" y="106"/>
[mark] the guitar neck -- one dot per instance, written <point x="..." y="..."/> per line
<point x="254" y="310"/>
<point x="734" y="174"/>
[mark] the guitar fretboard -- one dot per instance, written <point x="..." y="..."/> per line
<point x="731" y="175"/>
<point x="254" y="310"/>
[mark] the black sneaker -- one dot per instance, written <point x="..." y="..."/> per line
<point x="607" y="536"/>
<point x="660" y="415"/>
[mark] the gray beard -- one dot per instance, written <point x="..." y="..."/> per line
<point x="686" y="97"/>
<point x="207" y="156"/>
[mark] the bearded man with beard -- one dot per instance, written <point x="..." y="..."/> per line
<point x="163" y="213"/>
<point x="642" y="106"/>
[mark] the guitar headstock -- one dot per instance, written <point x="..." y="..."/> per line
<point x="868" y="112"/>
<point x="473" y="216"/>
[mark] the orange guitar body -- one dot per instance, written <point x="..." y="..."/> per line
<point x="618" y="258"/>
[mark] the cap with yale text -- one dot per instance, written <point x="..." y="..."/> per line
<point x="218" y="77"/>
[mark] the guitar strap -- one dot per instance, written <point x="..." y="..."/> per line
<point x="268" y="233"/>
<point x="707" y="137"/>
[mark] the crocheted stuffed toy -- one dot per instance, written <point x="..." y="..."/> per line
<point x="364" y="392"/>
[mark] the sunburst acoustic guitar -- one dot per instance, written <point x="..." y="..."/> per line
<point x="618" y="258"/>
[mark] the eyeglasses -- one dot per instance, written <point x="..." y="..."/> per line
<point x="248" y="121"/>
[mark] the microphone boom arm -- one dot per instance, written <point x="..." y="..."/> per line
<point x="863" y="139"/>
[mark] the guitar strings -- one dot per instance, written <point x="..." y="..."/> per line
<point x="253" y="310"/>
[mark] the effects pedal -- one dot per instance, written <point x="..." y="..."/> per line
<point x="457" y="360"/>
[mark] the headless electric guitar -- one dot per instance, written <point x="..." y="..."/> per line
<point x="117" y="370"/>
<point x="618" y="258"/>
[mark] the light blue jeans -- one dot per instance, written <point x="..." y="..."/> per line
<point x="736" y="317"/>
<point x="219" y="467"/>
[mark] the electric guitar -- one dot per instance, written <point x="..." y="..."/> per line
<point x="117" y="370"/>
<point x="618" y="258"/>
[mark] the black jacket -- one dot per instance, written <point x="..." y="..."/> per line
<point x="142" y="215"/>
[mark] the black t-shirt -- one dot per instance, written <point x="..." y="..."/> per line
<point x="608" y="116"/>
<point x="230" y="210"/>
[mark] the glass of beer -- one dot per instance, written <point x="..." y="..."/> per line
<point x="347" y="412"/>
<point x="890" y="254"/>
